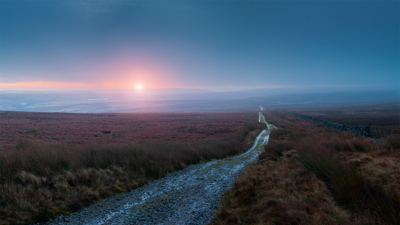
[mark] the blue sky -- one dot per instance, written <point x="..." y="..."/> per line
<point x="199" y="44"/>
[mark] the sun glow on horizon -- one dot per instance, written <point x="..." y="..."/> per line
<point x="139" y="87"/>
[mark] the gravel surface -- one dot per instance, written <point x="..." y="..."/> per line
<point x="188" y="196"/>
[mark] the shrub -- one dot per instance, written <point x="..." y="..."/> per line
<point x="42" y="179"/>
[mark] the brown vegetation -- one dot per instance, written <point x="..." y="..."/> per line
<point x="42" y="179"/>
<point x="104" y="128"/>
<point x="280" y="192"/>
<point x="316" y="175"/>
<point x="383" y="117"/>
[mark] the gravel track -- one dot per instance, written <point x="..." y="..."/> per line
<point x="188" y="196"/>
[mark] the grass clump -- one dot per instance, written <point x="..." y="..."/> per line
<point x="351" y="180"/>
<point x="40" y="180"/>
<point x="279" y="192"/>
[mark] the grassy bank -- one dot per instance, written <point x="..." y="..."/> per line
<point x="42" y="180"/>
<point x="314" y="175"/>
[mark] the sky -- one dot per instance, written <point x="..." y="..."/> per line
<point x="212" y="45"/>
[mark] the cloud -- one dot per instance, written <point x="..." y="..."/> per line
<point x="44" y="84"/>
<point x="90" y="9"/>
<point x="93" y="8"/>
<point x="57" y="85"/>
<point x="177" y="6"/>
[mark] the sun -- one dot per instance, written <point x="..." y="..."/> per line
<point x="139" y="87"/>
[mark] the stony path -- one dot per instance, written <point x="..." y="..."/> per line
<point x="188" y="196"/>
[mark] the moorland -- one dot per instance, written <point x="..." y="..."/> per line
<point x="310" y="174"/>
<point x="56" y="163"/>
<point x="53" y="164"/>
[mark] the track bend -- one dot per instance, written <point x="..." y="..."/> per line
<point x="188" y="196"/>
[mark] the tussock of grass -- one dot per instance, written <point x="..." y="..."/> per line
<point x="351" y="186"/>
<point x="41" y="180"/>
<point x="317" y="170"/>
<point x="280" y="192"/>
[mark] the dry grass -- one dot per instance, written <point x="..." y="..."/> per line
<point x="280" y="192"/>
<point x="383" y="117"/>
<point x="316" y="171"/>
<point x="41" y="180"/>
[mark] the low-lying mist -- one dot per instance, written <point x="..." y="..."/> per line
<point x="170" y="100"/>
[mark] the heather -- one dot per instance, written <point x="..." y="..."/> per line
<point x="382" y="117"/>
<point x="82" y="129"/>
<point x="43" y="178"/>
<point x="309" y="174"/>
